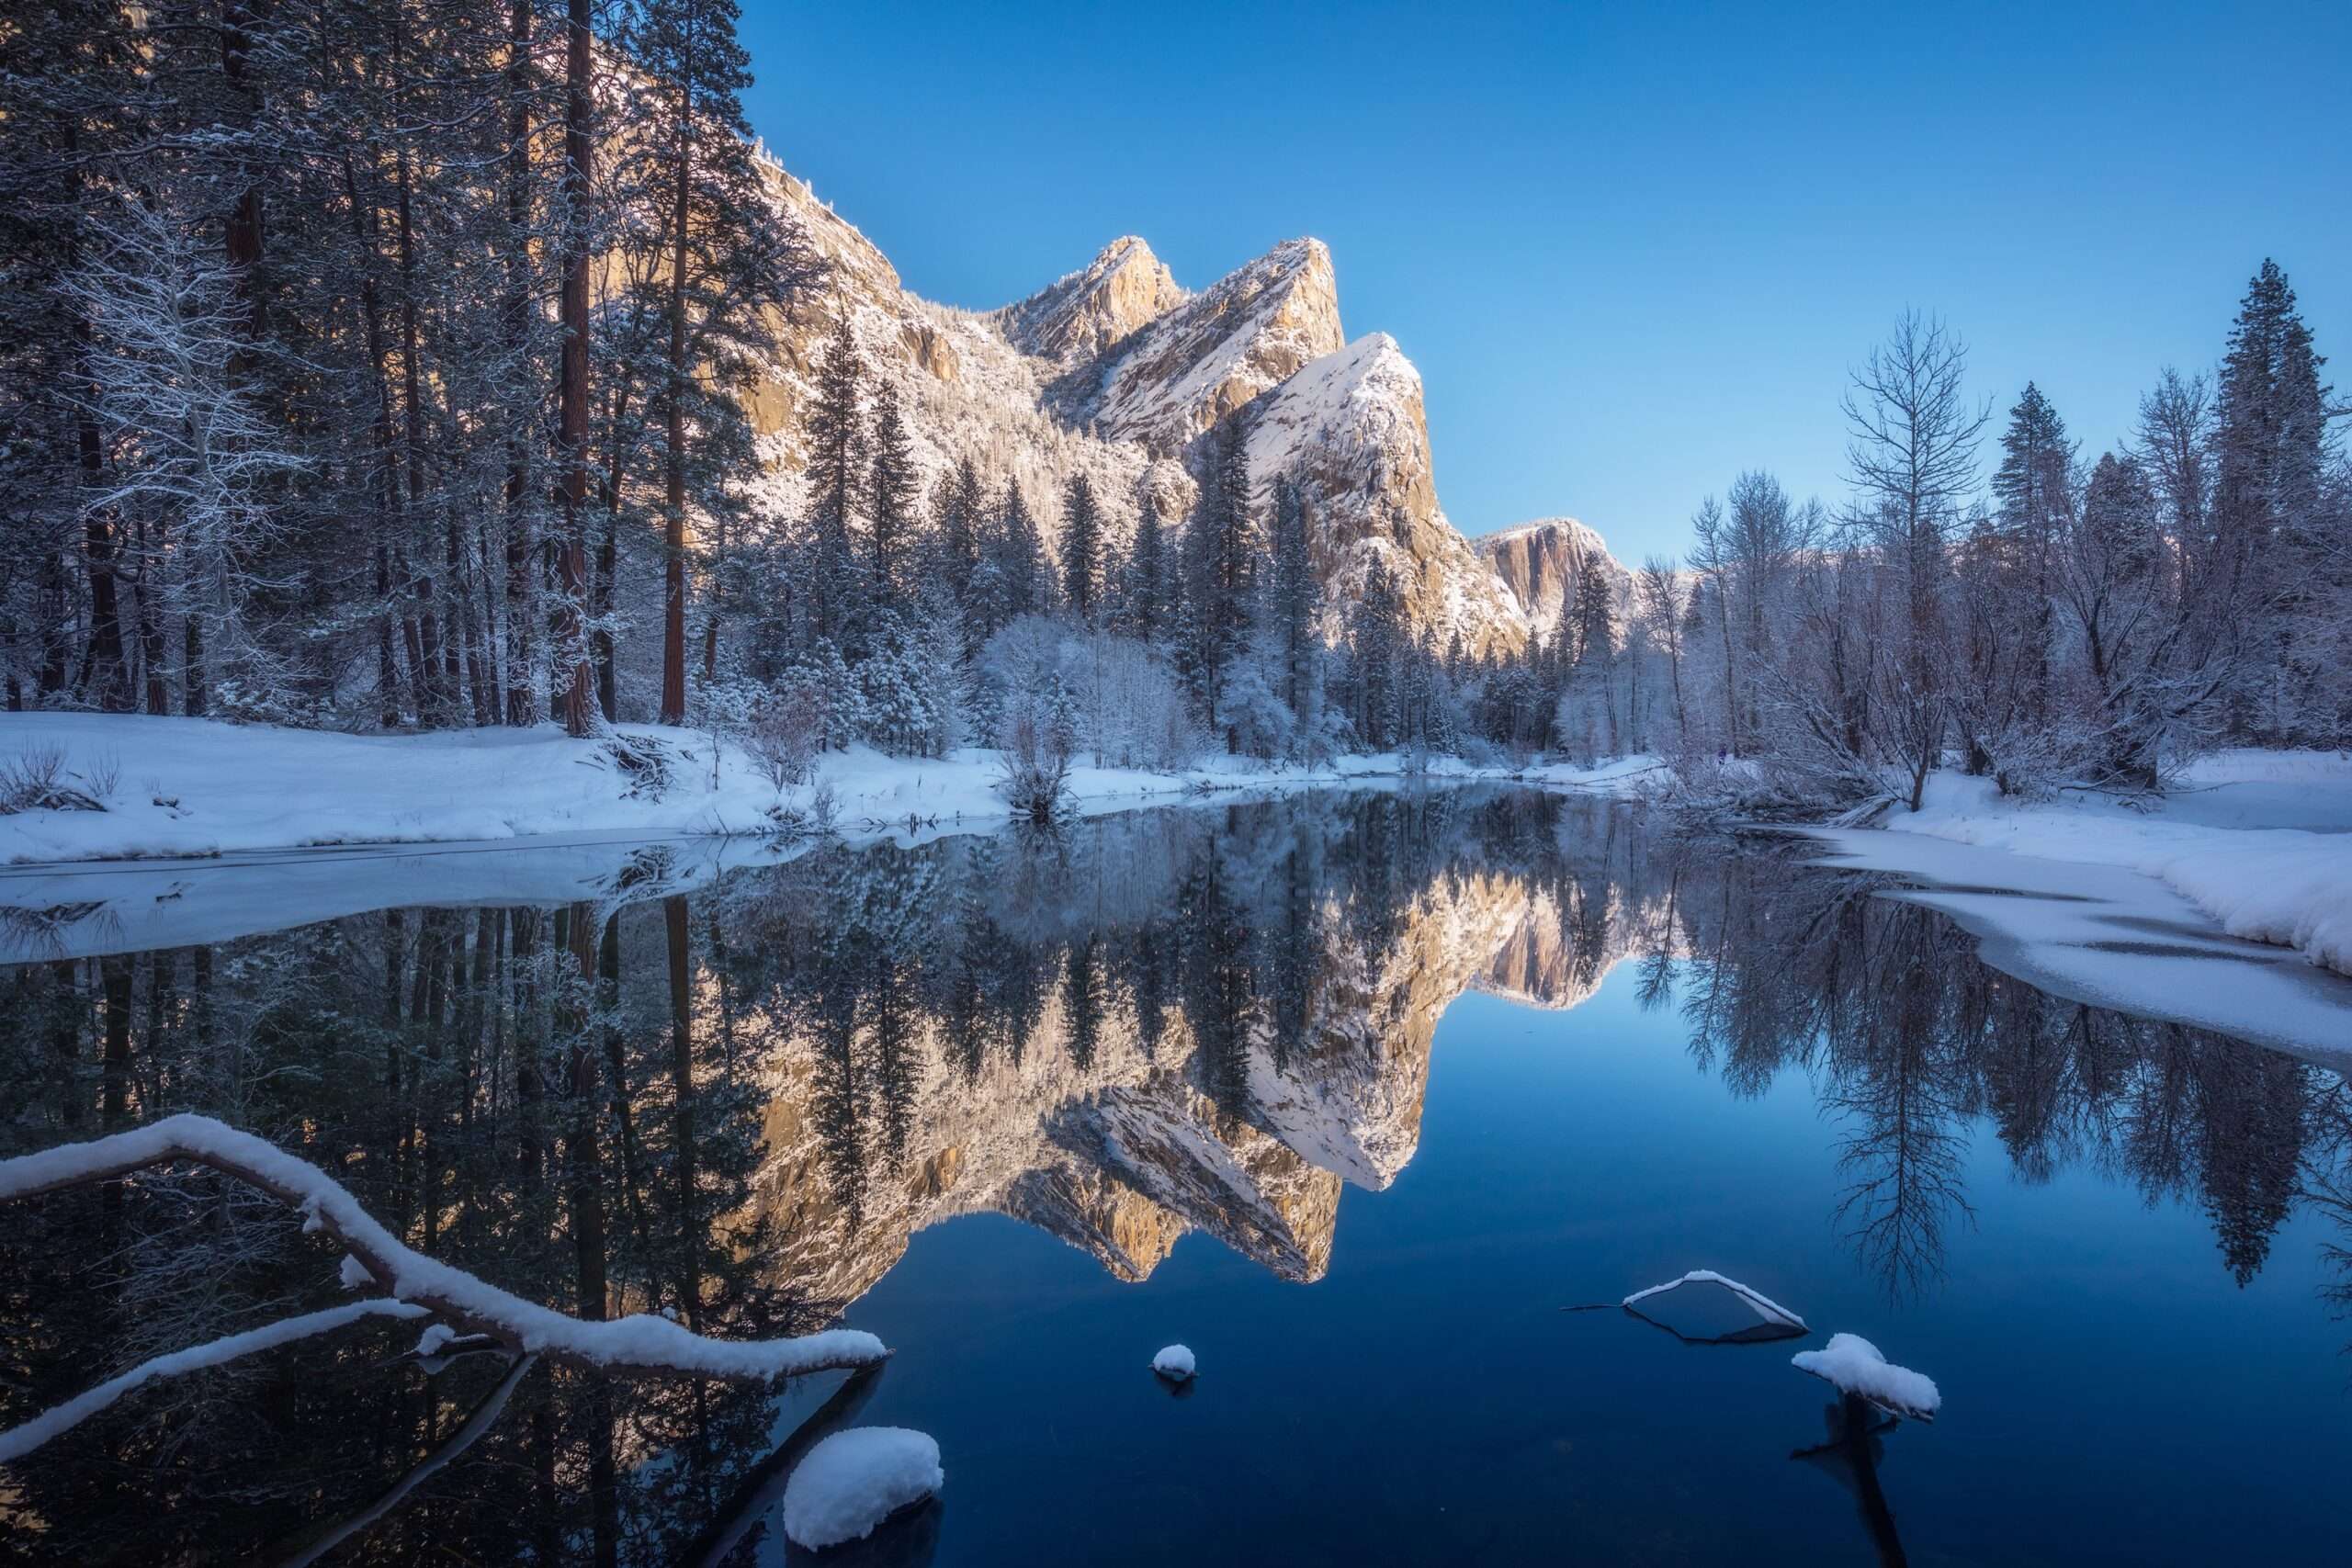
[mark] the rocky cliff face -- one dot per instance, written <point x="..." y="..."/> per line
<point x="1543" y="562"/>
<point x="1116" y="371"/>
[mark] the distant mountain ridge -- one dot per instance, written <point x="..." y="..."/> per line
<point x="1116" y="371"/>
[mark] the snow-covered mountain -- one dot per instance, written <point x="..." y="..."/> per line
<point x="1116" y="371"/>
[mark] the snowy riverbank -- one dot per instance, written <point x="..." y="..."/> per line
<point x="181" y="786"/>
<point x="2260" y="841"/>
<point x="2111" y="904"/>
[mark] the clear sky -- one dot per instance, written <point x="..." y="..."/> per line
<point x="1633" y="248"/>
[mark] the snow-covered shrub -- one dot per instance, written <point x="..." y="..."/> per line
<point x="1020" y="672"/>
<point x="1129" y="707"/>
<point x="35" y="779"/>
<point x="1254" y="715"/>
<point x="787" y="729"/>
<point x="1111" y="696"/>
<point x="910" y="687"/>
<point x="1036" y="768"/>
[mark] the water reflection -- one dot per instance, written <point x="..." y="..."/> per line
<point x="634" y="1084"/>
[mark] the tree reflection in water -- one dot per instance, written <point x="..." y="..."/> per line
<point x="736" y="1100"/>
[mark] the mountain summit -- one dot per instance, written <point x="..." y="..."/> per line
<point x="1117" y="372"/>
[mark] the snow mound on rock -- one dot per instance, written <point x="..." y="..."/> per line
<point x="854" y="1480"/>
<point x="1174" y="1363"/>
<point x="1855" y="1366"/>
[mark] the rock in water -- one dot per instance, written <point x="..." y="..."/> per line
<point x="1174" y="1363"/>
<point x="854" y="1480"/>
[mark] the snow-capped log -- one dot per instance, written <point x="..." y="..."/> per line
<point x="638" y="1344"/>
<point x="1773" y="1321"/>
<point x="1174" y="1362"/>
<point x="1854" y="1365"/>
<point x="854" y="1481"/>
<point x="18" y="1441"/>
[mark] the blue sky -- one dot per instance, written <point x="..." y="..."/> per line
<point x="1634" y="249"/>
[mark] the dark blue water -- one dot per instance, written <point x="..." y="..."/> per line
<point x="1353" y="1097"/>
<point x="2112" y="1394"/>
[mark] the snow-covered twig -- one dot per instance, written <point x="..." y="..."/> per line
<point x="18" y="1441"/>
<point x="641" y="1343"/>
<point x="1764" y="1307"/>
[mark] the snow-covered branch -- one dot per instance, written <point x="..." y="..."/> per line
<point x="18" y="1441"/>
<point x="637" y="1344"/>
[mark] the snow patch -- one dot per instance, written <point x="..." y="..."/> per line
<point x="1174" y="1362"/>
<point x="853" y="1481"/>
<point x="1854" y="1365"/>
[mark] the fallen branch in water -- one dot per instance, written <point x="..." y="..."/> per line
<point x="638" y="1344"/>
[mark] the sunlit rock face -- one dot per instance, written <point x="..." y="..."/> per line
<point x="1074" y="321"/>
<point x="1541" y="563"/>
<point x="1126" y="1153"/>
<point x="1116" y="372"/>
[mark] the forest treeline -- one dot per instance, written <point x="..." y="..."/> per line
<point x="389" y="367"/>
<point x="2068" y="619"/>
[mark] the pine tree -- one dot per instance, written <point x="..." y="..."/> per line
<point x="728" y="264"/>
<point x="1081" y="548"/>
<point x="2032" y="483"/>
<point x="1221" y="549"/>
<point x="1020" y="560"/>
<point x="961" y="513"/>
<point x="891" y="495"/>
<point x="572" y="631"/>
<point x="1294" y="599"/>
<point x="837" y="476"/>
<point x="1376" y="639"/>
<point x="2269" y="442"/>
<point x="1146" y="598"/>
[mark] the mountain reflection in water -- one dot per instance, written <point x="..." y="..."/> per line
<point x="738" y="1097"/>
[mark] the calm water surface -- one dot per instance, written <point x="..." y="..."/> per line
<point x="1350" y="1095"/>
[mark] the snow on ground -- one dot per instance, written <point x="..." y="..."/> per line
<point x="2185" y="911"/>
<point x="1855" y="1366"/>
<point x="853" y="1480"/>
<point x="1174" y="1362"/>
<point x="183" y="786"/>
<point x="2263" y="843"/>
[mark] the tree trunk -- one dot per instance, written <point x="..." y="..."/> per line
<point x="673" y="552"/>
<point x="578" y="678"/>
<point x="522" y="549"/>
